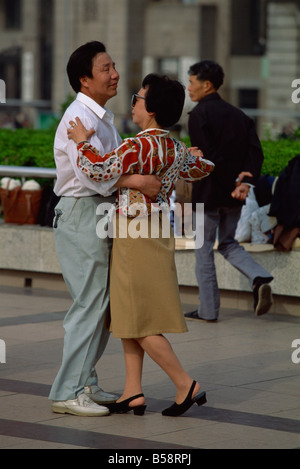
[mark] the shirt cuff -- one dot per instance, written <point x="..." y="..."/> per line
<point x="108" y="188"/>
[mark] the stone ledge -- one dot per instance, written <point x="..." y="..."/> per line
<point x="28" y="248"/>
<point x="284" y="267"/>
<point x="27" y="253"/>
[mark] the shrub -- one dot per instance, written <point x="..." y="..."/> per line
<point x="28" y="147"/>
<point x="277" y="154"/>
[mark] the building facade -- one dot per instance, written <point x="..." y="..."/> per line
<point x="256" y="42"/>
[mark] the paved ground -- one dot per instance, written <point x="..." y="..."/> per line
<point x="243" y="362"/>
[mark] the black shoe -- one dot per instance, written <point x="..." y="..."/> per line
<point x="263" y="299"/>
<point x="178" y="409"/>
<point x="123" y="406"/>
<point x="193" y="316"/>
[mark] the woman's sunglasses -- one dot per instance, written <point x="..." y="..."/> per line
<point x="135" y="98"/>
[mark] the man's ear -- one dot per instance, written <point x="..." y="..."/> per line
<point x="84" y="81"/>
<point x="208" y="86"/>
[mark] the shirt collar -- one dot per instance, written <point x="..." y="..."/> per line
<point x="95" y="107"/>
<point x="158" y="132"/>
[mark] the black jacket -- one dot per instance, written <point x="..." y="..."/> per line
<point x="285" y="205"/>
<point x="228" y="138"/>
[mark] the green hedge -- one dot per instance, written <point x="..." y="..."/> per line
<point x="26" y="147"/>
<point x="277" y="154"/>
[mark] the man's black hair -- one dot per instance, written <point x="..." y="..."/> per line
<point x="208" y="70"/>
<point x="81" y="63"/>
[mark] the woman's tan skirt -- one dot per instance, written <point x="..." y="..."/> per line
<point x="144" y="291"/>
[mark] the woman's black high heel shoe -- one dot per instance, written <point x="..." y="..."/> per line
<point x="123" y="407"/>
<point x="179" y="409"/>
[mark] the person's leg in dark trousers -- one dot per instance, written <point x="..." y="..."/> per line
<point x="221" y="223"/>
<point x="243" y="261"/>
<point x="205" y="269"/>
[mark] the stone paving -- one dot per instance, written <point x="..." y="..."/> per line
<point x="246" y="365"/>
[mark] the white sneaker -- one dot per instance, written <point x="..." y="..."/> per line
<point x="99" y="396"/>
<point x="82" y="406"/>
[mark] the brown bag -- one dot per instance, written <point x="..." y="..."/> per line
<point x="19" y="206"/>
<point x="183" y="191"/>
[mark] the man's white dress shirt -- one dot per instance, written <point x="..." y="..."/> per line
<point x="71" y="182"/>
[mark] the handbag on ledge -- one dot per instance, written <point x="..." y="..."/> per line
<point x="21" y="206"/>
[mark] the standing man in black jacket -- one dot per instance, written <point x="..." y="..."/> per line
<point x="228" y="138"/>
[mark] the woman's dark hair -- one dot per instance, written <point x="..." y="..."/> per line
<point x="81" y="63"/>
<point x="208" y="70"/>
<point x="165" y="97"/>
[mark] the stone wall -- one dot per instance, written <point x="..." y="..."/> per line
<point x="28" y="258"/>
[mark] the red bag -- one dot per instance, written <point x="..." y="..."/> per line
<point x="19" y="206"/>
